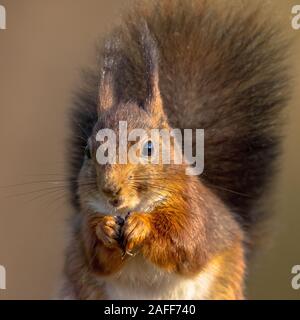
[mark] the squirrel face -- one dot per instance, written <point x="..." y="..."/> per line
<point x="131" y="186"/>
<point x="124" y="186"/>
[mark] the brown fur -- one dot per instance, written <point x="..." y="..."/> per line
<point x="170" y="65"/>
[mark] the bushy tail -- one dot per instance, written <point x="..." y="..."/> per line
<point x="219" y="71"/>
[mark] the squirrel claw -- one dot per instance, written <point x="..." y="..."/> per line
<point x="127" y="253"/>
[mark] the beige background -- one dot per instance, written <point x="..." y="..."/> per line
<point x="41" y="52"/>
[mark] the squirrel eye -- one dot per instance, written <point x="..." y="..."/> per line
<point x="87" y="152"/>
<point x="148" y="149"/>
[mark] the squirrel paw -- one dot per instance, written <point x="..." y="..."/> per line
<point x="108" y="230"/>
<point x="136" y="229"/>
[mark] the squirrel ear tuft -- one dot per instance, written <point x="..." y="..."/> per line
<point x="153" y="102"/>
<point x="107" y="89"/>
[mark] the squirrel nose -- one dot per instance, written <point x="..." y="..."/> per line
<point x="115" y="202"/>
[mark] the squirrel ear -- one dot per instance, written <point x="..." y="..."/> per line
<point x="153" y="102"/>
<point x="107" y="90"/>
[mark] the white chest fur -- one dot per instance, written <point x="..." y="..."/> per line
<point x="142" y="280"/>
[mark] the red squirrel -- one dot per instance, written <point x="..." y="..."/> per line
<point x="151" y="231"/>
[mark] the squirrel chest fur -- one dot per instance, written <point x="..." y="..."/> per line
<point x="152" y="231"/>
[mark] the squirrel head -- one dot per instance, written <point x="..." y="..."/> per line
<point x="126" y="187"/>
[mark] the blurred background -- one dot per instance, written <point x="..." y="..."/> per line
<point x="41" y="53"/>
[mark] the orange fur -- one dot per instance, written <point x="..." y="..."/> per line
<point x="177" y="227"/>
<point x="102" y="249"/>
